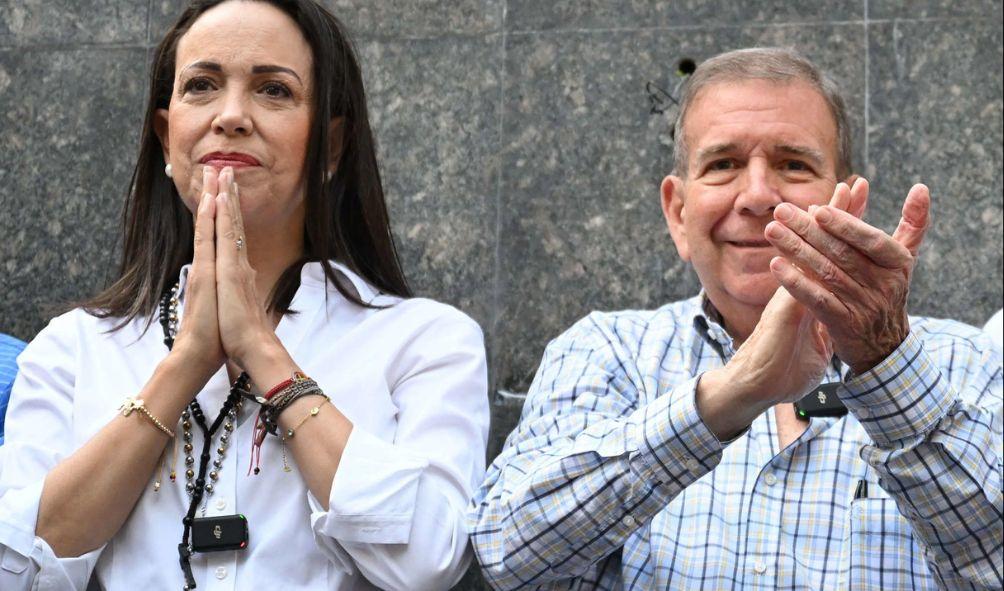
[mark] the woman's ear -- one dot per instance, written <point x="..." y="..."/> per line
<point x="674" y="210"/>
<point x="160" y="127"/>
<point x="336" y="139"/>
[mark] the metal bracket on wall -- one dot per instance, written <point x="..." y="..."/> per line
<point x="507" y="398"/>
<point x="661" y="100"/>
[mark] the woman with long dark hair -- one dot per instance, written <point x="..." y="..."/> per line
<point x="257" y="400"/>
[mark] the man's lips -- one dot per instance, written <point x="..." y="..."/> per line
<point x="232" y="159"/>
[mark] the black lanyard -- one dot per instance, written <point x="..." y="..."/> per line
<point x="240" y="386"/>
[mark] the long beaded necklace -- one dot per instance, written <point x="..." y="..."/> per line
<point x="231" y="406"/>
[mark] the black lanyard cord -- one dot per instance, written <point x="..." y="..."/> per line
<point x="239" y="387"/>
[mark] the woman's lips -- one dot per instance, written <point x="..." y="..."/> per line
<point x="220" y="160"/>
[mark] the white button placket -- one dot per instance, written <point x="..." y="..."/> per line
<point x="221" y="567"/>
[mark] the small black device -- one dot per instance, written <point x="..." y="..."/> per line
<point x="821" y="402"/>
<point x="223" y="532"/>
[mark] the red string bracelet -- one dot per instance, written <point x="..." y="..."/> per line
<point x="259" y="430"/>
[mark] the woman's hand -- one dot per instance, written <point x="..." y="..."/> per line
<point x="245" y="327"/>
<point x="198" y="340"/>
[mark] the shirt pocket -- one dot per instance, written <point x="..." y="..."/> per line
<point x="883" y="553"/>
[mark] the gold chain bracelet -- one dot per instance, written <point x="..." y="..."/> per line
<point x="132" y="404"/>
<point x="312" y="413"/>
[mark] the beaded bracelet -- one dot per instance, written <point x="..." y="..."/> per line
<point x="276" y="400"/>
<point x="132" y="404"/>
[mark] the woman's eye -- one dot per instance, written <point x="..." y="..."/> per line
<point x="198" y="85"/>
<point x="276" y="90"/>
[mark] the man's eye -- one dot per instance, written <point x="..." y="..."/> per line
<point x="722" y="165"/>
<point x="276" y="90"/>
<point x="797" y="166"/>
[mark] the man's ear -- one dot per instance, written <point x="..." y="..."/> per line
<point x="336" y="142"/>
<point x="160" y="128"/>
<point x="674" y="210"/>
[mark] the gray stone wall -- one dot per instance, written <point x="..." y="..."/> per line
<point x="521" y="157"/>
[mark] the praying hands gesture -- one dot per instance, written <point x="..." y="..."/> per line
<point x="225" y="318"/>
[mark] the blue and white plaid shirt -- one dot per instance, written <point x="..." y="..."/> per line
<point x="612" y="481"/>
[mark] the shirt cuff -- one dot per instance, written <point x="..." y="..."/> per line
<point x="373" y="494"/>
<point x="903" y="397"/>
<point x="675" y="446"/>
<point x="59" y="574"/>
<point x="18" y="514"/>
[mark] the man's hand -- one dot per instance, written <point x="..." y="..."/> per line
<point x="785" y="357"/>
<point x="852" y="277"/>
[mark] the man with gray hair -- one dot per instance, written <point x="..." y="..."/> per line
<point x="678" y="448"/>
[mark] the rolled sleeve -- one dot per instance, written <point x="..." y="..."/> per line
<point x="901" y="398"/>
<point x="373" y="495"/>
<point x="27" y="561"/>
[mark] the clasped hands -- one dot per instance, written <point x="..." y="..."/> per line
<point x="843" y="288"/>
<point x="224" y="319"/>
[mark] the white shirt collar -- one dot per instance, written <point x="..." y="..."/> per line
<point x="313" y="274"/>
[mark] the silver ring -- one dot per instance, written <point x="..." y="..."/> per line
<point x="239" y="242"/>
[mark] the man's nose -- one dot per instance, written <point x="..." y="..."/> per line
<point x="233" y="117"/>
<point x="759" y="193"/>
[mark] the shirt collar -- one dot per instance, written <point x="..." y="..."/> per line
<point x="708" y="323"/>
<point x="313" y="274"/>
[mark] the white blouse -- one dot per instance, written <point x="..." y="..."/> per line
<point x="411" y="377"/>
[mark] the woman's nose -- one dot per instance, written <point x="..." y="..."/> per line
<point x="233" y="117"/>
<point x="759" y="193"/>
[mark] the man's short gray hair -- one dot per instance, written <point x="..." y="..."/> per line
<point x="780" y="65"/>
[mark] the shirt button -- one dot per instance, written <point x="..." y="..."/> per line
<point x="221" y="504"/>
<point x="691" y="465"/>
<point x="221" y="573"/>
<point x="864" y="412"/>
<point x="770" y="479"/>
<point x="759" y="568"/>
<point x="629" y="521"/>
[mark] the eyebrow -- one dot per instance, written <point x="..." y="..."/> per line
<point x="265" y="69"/>
<point x="815" y="156"/>
<point x="805" y="152"/>
<point x="715" y="150"/>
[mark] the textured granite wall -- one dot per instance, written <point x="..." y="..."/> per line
<point x="521" y="156"/>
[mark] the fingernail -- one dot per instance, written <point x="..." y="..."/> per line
<point x="774" y="230"/>
<point x="823" y="215"/>
<point x="784" y="212"/>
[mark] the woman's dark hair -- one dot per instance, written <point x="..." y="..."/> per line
<point x="346" y="216"/>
